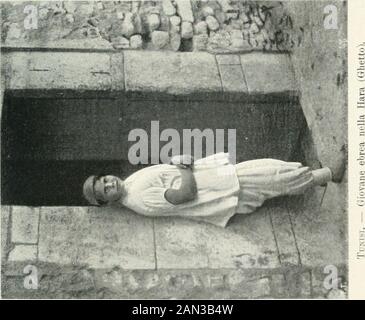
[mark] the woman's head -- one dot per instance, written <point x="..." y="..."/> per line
<point x="103" y="189"/>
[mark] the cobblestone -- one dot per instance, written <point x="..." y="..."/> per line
<point x="107" y="21"/>
<point x="186" y="30"/>
<point x="160" y="39"/>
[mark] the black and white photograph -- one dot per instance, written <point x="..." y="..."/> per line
<point x="177" y="150"/>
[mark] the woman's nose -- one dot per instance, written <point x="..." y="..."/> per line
<point x="110" y="184"/>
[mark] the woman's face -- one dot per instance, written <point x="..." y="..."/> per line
<point x="109" y="188"/>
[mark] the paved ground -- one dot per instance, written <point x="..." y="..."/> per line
<point x="86" y="252"/>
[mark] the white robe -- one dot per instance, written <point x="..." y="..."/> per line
<point x="223" y="189"/>
<point x="217" y="191"/>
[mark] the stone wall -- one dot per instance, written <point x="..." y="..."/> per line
<point x="178" y="25"/>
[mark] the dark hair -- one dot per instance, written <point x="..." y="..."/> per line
<point x="97" y="177"/>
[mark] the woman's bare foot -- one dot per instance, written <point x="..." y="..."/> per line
<point x="338" y="169"/>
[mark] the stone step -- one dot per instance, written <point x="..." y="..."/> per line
<point x="111" y="237"/>
<point x="198" y="75"/>
<point x="108" y="253"/>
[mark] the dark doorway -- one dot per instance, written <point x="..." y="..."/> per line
<point x="50" y="145"/>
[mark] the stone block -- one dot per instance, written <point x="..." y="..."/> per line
<point x="24" y="226"/>
<point x="253" y="242"/>
<point x="116" y="70"/>
<point x="263" y="71"/>
<point x="305" y="285"/>
<point x="170" y="72"/>
<point x="285" y="238"/>
<point x="230" y="59"/>
<point x="181" y="243"/>
<point x="232" y="78"/>
<point x="278" y="285"/>
<point x="92" y="44"/>
<point x="97" y="237"/>
<point x="260" y="288"/>
<point x="22" y="252"/>
<point x="60" y="70"/>
<point x="320" y="232"/>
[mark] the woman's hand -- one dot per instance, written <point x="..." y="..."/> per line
<point x="187" y="191"/>
<point x="182" y="161"/>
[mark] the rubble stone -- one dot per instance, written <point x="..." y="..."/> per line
<point x="175" y="20"/>
<point x="185" y="10"/>
<point x="200" y="42"/>
<point x="212" y="23"/>
<point x="160" y="39"/>
<point x="65" y="21"/>
<point x="120" y="43"/>
<point x="127" y="26"/>
<point x="136" y="41"/>
<point x="43" y="13"/>
<point x="153" y="21"/>
<point x="186" y="30"/>
<point x="168" y="7"/>
<point x="175" y="41"/>
<point x="85" y="9"/>
<point x="69" y="18"/>
<point x="207" y="11"/>
<point x="201" y="28"/>
<point x="70" y="6"/>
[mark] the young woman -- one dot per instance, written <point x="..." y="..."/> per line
<point x="210" y="189"/>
